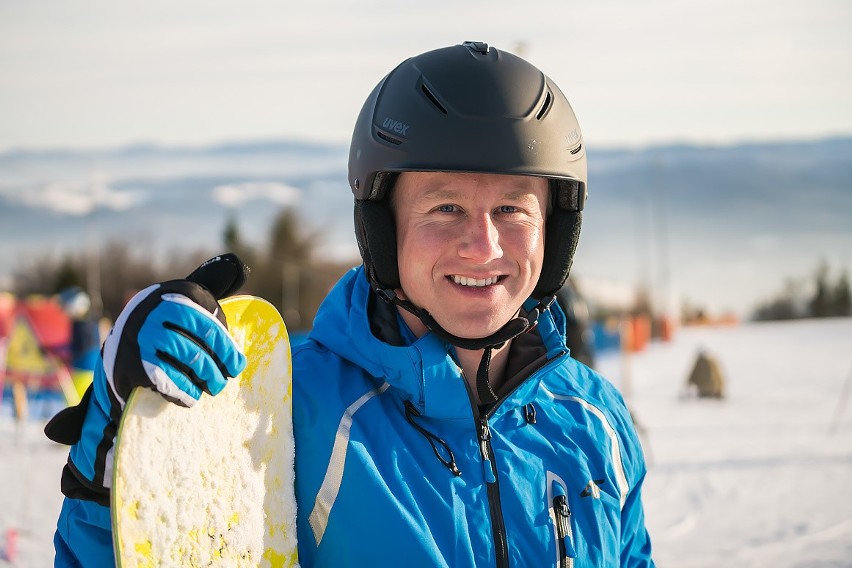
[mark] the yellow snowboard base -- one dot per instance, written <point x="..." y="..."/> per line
<point x="212" y="485"/>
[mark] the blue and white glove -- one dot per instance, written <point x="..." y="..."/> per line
<point x="171" y="337"/>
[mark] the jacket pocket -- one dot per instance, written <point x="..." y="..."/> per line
<point x="560" y="513"/>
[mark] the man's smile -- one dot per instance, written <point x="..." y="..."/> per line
<point x="477" y="282"/>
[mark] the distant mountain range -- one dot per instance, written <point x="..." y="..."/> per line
<point x="720" y="226"/>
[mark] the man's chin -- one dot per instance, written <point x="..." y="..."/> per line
<point x="473" y="330"/>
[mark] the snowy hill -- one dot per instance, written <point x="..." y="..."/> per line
<point x="759" y="479"/>
<point x="720" y="225"/>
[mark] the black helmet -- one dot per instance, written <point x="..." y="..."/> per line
<point x="466" y="108"/>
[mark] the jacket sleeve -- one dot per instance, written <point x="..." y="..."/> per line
<point x="83" y="535"/>
<point x="635" y="541"/>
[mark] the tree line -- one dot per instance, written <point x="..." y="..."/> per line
<point x="284" y="270"/>
<point x="819" y="296"/>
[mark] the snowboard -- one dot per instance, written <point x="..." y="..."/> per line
<point x="212" y="485"/>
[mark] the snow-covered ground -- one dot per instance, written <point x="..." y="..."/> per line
<point x="761" y="478"/>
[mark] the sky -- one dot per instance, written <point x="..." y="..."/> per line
<point x="96" y="73"/>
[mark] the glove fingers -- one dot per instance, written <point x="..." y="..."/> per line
<point x="191" y="347"/>
<point x="172" y="383"/>
<point x="203" y="328"/>
<point x="202" y="368"/>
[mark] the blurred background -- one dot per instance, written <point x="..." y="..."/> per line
<point x="137" y="140"/>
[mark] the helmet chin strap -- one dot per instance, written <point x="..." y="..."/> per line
<point x="513" y="328"/>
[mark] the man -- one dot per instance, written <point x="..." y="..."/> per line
<point x="439" y="418"/>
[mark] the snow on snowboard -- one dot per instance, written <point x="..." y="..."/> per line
<point x="212" y="485"/>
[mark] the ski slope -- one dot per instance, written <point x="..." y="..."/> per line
<point x="761" y="478"/>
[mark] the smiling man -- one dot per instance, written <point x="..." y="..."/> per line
<point x="439" y="417"/>
<point x="440" y="420"/>
<point x="471" y="248"/>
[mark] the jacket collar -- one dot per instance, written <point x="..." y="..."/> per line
<point x="424" y="371"/>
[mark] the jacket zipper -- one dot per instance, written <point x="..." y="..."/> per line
<point x="498" y="524"/>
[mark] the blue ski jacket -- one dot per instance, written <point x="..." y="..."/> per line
<point x="395" y="466"/>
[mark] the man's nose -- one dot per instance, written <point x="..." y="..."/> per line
<point x="481" y="240"/>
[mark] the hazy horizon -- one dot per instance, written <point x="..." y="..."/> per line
<point x="723" y="227"/>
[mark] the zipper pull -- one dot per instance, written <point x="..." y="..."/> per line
<point x="484" y="437"/>
<point x="563" y="524"/>
<point x="529" y="413"/>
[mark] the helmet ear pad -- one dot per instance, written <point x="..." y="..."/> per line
<point x="561" y="234"/>
<point x="375" y="229"/>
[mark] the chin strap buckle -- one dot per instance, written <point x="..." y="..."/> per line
<point x="386" y="294"/>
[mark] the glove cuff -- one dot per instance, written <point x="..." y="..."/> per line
<point x="76" y="486"/>
<point x="66" y="427"/>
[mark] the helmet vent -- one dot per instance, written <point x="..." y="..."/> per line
<point x="433" y="99"/>
<point x="548" y="99"/>
<point x="386" y="138"/>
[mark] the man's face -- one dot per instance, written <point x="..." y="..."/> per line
<point x="470" y="246"/>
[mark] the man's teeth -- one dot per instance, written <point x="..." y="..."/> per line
<point x="464" y="281"/>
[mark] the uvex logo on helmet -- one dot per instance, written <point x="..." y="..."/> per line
<point x="395" y="126"/>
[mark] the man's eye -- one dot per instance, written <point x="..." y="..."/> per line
<point x="508" y="209"/>
<point x="446" y="208"/>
